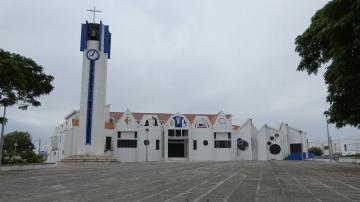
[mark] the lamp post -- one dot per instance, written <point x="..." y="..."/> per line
<point x="302" y="145"/>
<point x="326" y="113"/>
<point x="147" y="142"/>
<point x="15" y="145"/>
<point x="2" y="133"/>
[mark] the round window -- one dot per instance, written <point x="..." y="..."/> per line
<point x="269" y="143"/>
<point x="275" y="149"/>
<point x="272" y="138"/>
<point x="242" y="145"/>
<point x="276" y="135"/>
<point x="205" y="142"/>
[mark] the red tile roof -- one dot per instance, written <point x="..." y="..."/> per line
<point x="235" y="127"/>
<point x="165" y="116"/>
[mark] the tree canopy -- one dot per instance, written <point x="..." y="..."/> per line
<point x="332" y="41"/>
<point x="22" y="80"/>
<point x="22" y="139"/>
<point x="24" y="149"/>
<point x="316" y="151"/>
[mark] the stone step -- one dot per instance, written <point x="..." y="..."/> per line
<point x="91" y="158"/>
<point x="85" y="161"/>
<point x="88" y="158"/>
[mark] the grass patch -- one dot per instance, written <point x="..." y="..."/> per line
<point x="354" y="156"/>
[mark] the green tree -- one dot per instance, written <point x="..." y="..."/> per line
<point x="22" y="81"/>
<point x="24" y="148"/>
<point x="333" y="40"/>
<point x="22" y="139"/>
<point x="316" y="151"/>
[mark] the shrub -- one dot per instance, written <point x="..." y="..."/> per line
<point x="316" y="151"/>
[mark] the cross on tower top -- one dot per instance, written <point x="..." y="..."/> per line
<point x="94" y="11"/>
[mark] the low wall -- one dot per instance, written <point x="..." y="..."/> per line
<point x="26" y="166"/>
<point x="349" y="160"/>
<point x="320" y="160"/>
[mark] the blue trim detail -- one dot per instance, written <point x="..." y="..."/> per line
<point x="100" y="34"/>
<point x="90" y="102"/>
<point x="297" y="156"/>
<point x="83" y="41"/>
<point x="109" y="45"/>
<point x="107" y="40"/>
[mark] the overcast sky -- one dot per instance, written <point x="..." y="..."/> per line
<point x="175" y="56"/>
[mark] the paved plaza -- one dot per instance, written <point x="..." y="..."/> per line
<point x="186" y="181"/>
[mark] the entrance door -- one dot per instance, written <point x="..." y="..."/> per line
<point x="295" y="148"/>
<point x="176" y="148"/>
<point x="108" y="144"/>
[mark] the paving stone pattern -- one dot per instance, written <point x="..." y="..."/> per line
<point x="186" y="181"/>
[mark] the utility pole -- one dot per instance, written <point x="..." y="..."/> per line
<point x="39" y="146"/>
<point x="2" y="134"/>
<point x="302" y="145"/>
<point x="147" y="143"/>
<point x="331" y="148"/>
<point x="328" y="136"/>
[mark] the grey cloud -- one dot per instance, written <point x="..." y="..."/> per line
<point x="175" y="56"/>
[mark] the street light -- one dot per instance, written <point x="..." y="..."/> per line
<point x="15" y="145"/>
<point x="302" y="145"/>
<point x="146" y="142"/>
<point x="326" y="113"/>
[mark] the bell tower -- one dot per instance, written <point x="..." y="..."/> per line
<point x="95" y="45"/>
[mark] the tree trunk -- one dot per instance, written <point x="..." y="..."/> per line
<point x="2" y="135"/>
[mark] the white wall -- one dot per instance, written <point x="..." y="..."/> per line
<point x="153" y="154"/>
<point x="170" y="124"/>
<point x="222" y="127"/>
<point x="65" y="139"/>
<point x="223" y="154"/>
<point x="264" y="136"/>
<point x="245" y="132"/>
<point x="201" y="130"/>
<point x="148" y="130"/>
<point x="295" y="136"/>
<point x="254" y="132"/>
<point x="352" y="146"/>
<point x="98" y="112"/>
<point x="126" y="154"/>
<point x="127" y="125"/>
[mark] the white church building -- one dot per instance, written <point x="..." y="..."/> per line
<point x="96" y="133"/>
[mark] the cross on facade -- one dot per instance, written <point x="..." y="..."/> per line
<point x="94" y="11"/>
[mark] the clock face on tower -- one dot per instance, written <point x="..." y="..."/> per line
<point x="92" y="54"/>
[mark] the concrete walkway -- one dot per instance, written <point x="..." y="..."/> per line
<point x="33" y="166"/>
<point x="186" y="181"/>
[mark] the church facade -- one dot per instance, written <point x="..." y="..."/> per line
<point x="95" y="131"/>
<point x="132" y="136"/>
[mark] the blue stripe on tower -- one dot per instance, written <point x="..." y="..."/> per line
<point x="83" y="42"/>
<point x="107" y="40"/>
<point x="109" y="45"/>
<point x="90" y="102"/>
